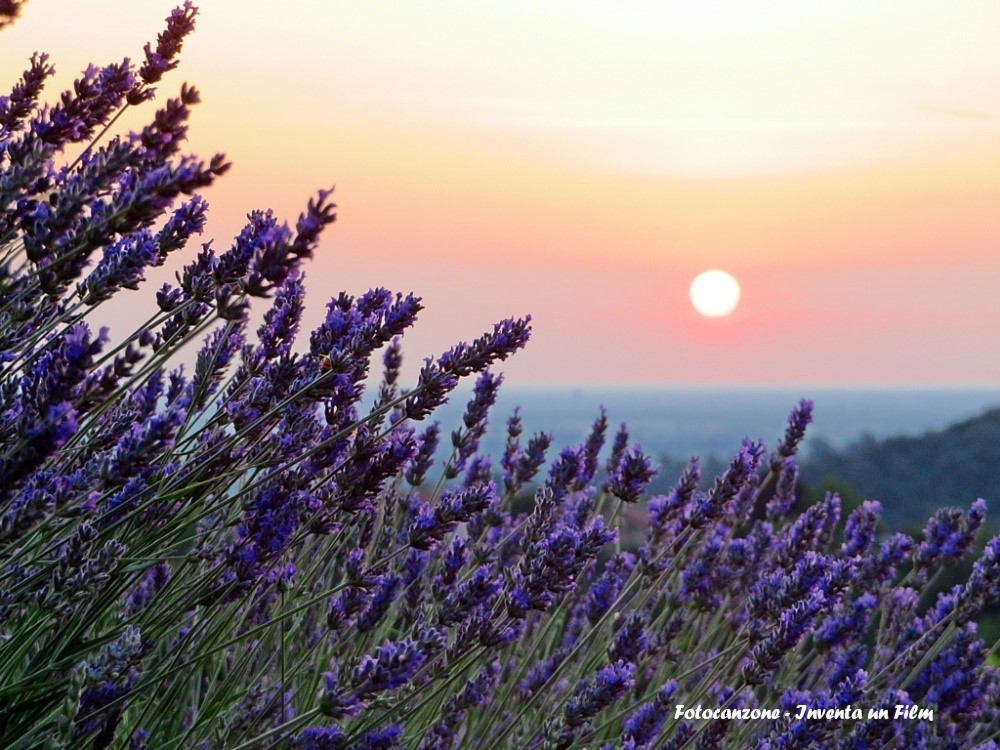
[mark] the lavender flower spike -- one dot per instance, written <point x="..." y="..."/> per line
<point x="632" y="475"/>
<point x="180" y="23"/>
<point x="589" y="698"/>
<point x="798" y="421"/>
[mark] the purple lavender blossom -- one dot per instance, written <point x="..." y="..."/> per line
<point x="551" y="565"/>
<point x="96" y="94"/>
<point x="262" y="536"/>
<point x="22" y="101"/>
<point x="478" y="471"/>
<point x="320" y="738"/>
<point x="386" y="738"/>
<point x="540" y="673"/>
<point x="631" y="641"/>
<point x="480" y="588"/>
<point x="430" y="525"/>
<point x="591" y="449"/>
<point x="618" y="446"/>
<point x="798" y="421"/>
<point x="875" y="732"/>
<point x="643" y="726"/>
<point x="384" y="592"/>
<point x="466" y="441"/>
<point x="603" y="592"/>
<point x="107" y="679"/>
<point x="507" y="337"/>
<point x="477" y="691"/>
<point x="705" y="579"/>
<point x="160" y="60"/>
<point x="455" y="557"/>
<point x="162" y="138"/>
<point x="949" y="535"/>
<point x="631" y="476"/>
<point x="9" y="11"/>
<point x="950" y="682"/>
<point x="281" y="321"/>
<point x="848" y="624"/>
<point x="718" y="502"/>
<point x="565" y="471"/>
<point x="783" y="589"/>
<point x="784" y="491"/>
<point x="320" y="212"/>
<point x="392" y="361"/>
<point x="793" y="623"/>
<point x="591" y="697"/>
<point x="423" y="459"/>
<point x="984" y="582"/>
<point x="529" y="462"/>
<point x="665" y="511"/>
<point x="139" y="740"/>
<point x="806" y="732"/>
<point x="345" y="606"/>
<point x="27" y="510"/>
<point x="881" y="566"/>
<point x="369" y="463"/>
<point x="145" y="591"/>
<point x="810" y="531"/>
<point x="54" y="377"/>
<point x="390" y="668"/>
<point x="861" y="528"/>
<point x="512" y="448"/>
<point x="364" y="324"/>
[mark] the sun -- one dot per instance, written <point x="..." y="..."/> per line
<point x="714" y="293"/>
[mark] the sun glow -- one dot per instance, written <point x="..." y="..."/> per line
<point x="714" y="293"/>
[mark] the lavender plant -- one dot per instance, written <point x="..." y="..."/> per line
<point x="247" y="556"/>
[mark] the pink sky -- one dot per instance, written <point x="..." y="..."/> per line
<point x="584" y="161"/>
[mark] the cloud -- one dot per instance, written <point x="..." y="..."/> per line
<point x="964" y="114"/>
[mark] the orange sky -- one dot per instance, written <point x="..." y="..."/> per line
<point x="584" y="161"/>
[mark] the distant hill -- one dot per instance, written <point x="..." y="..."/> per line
<point x="913" y="476"/>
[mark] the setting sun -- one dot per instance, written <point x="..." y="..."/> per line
<point x="715" y="294"/>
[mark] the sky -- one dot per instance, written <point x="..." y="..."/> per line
<point x="584" y="161"/>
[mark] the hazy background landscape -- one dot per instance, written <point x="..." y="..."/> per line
<point x="912" y="449"/>
<point x="707" y="421"/>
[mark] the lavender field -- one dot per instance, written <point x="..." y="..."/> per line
<point x="278" y="546"/>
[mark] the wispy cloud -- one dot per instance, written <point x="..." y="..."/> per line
<point x="605" y="117"/>
<point x="964" y="114"/>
